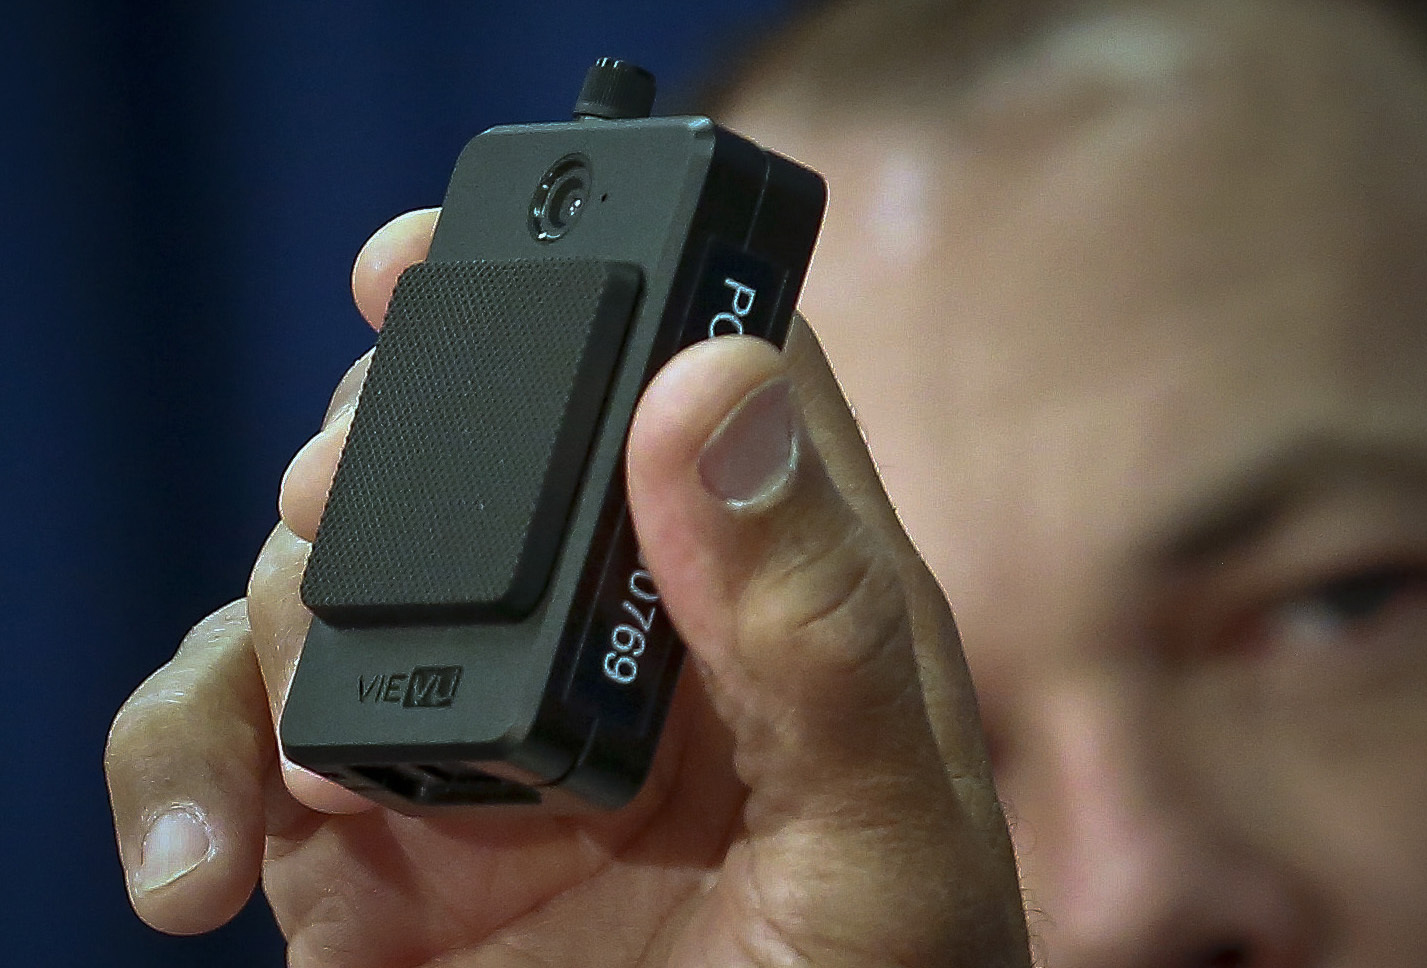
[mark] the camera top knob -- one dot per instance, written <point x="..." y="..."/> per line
<point x="615" y="89"/>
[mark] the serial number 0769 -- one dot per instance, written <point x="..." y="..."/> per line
<point x="627" y="639"/>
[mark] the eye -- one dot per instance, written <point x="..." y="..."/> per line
<point x="1377" y="606"/>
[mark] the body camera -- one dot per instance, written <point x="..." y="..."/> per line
<point x="483" y="630"/>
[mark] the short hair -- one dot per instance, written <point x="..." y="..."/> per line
<point x="879" y="52"/>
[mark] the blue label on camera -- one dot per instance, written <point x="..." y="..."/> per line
<point x="626" y="644"/>
<point x="736" y="293"/>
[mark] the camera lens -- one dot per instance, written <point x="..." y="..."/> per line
<point x="559" y="198"/>
<point x="565" y="200"/>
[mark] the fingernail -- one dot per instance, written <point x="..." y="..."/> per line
<point x="751" y="456"/>
<point x="348" y="387"/>
<point x="177" y="842"/>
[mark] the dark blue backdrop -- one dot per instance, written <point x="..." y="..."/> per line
<point x="184" y="187"/>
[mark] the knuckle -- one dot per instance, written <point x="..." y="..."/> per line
<point x="218" y="627"/>
<point x="126" y="732"/>
<point x="199" y="699"/>
<point x="154" y="719"/>
<point x="165" y="700"/>
<point x="835" y="609"/>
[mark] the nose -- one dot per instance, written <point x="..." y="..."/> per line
<point x="1125" y="868"/>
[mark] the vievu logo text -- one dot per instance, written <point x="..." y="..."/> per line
<point x="425" y="687"/>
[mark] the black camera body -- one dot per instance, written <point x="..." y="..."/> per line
<point x="484" y="631"/>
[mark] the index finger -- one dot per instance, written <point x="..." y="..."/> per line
<point x="392" y="248"/>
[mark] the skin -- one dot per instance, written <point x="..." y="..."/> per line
<point x="802" y="750"/>
<point x="1148" y="383"/>
<point x="1146" y="394"/>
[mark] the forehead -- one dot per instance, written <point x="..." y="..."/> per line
<point x="1143" y="254"/>
<point x="1135" y="165"/>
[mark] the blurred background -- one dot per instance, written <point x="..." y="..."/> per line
<point x="184" y="187"/>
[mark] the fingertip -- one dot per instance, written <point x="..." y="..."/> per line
<point x="193" y="873"/>
<point x="320" y="794"/>
<point x="397" y="244"/>
<point x="308" y="478"/>
<point x="714" y="368"/>
<point x="349" y="388"/>
<point x="691" y="395"/>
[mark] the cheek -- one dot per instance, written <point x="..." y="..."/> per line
<point x="1357" y="779"/>
<point x="1324" y="770"/>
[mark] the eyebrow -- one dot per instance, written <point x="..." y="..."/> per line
<point x="1245" y="506"/>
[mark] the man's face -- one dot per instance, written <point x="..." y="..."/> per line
<point x="1138" y="337"/>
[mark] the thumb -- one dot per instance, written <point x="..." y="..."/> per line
<point x="861" y="843"/>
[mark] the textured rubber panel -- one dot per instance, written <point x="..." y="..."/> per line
<point x="469" y="441"/>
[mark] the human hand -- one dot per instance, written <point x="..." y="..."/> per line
<point x="821" y="795"/>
